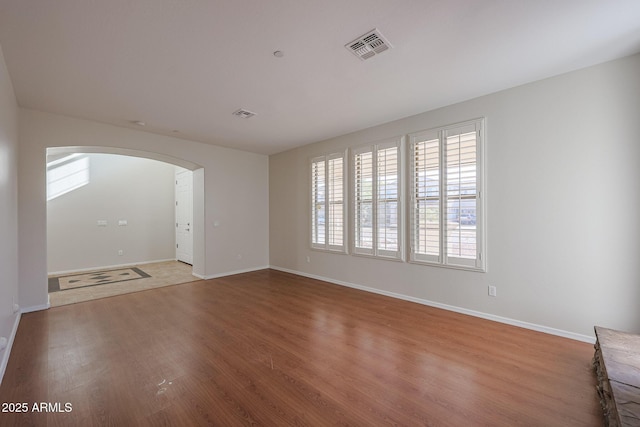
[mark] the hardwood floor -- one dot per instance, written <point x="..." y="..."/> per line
<point x="271" y="348"/>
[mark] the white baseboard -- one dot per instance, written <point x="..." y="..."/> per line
<point x="35" y="308"/>
<point x="7" y="350"/>
<point x="131" y="264"/>
<point x="488" y="316"/>
<point x="231" y="273"/>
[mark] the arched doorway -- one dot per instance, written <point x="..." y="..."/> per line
<point x="98" y="226"/>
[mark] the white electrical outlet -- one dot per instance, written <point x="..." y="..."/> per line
<point x="308" y="259"/>
<point x="120" y="252"/>
<point x="493" y="291"/>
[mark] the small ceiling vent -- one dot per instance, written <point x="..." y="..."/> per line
<point x="369" y="45"/>
<point x="244" y="114"/>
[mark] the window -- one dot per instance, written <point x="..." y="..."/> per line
<point x="67" y="174"/>
<point x="447" y="196"/>
<point x="377" y="209"/>
<point x="328" y="202"/>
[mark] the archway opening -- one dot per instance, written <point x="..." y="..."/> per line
<point x="125" y="208"/>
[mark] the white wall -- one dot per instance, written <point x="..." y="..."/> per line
<point x="235" y="189"/>
<point x="563" y="206"/>
<point x="8" y="210"/>
<point x="140" y="191"/>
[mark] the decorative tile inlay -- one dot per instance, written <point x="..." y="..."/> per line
<point x="63" y="283"/>
<point x="162" y="273"/>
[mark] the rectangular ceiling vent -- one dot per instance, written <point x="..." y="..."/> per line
<point x="244" y="114"/>
<point x="369" y="45"/>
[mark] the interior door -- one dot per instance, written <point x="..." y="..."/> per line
<point x="184" y="216"/>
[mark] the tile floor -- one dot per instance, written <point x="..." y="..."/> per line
<point x="162" y="274"/>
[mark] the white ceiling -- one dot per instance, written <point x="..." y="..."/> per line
<point x="186" y="65"/>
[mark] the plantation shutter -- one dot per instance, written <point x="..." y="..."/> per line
<point x="328" y="202"/>
<point x="461" y="183"/>
<point x="388" y="200"/>
<point x="318" y="203"/>
<point x="377" y="199"/>
<point x="335" y="202"/>
<point x="425" y="197"/>
<point x="446" y="196"/>
<point x="363" y="201"/>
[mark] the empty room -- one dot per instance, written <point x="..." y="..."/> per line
<point x="380" y="213"/>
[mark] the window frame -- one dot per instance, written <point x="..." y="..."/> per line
<point x="375" y="251"/>
<point x="70" y="178"/>
<point x="443" y="258"/>
<point x="326" y="245"/>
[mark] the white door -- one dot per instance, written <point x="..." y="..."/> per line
<point x="184" y="216"/>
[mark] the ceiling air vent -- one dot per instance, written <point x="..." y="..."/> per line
<point x="369" y="45"/>
<point x="244" y="114"/>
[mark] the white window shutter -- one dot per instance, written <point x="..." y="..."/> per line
<point x="446" y="185"/>
<point x="363" y="200"/>
<point x="426" y="217"/>
<point x="335" y="202"/>
<point x="328" y="207"/>
<point x="378" y="210"/>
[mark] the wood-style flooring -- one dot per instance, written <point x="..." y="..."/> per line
<point x="275" y="349"/>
